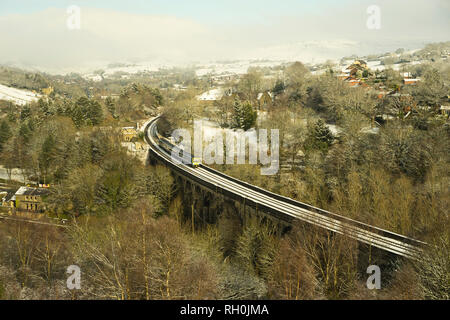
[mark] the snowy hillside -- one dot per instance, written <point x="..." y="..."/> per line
<point x="18" y="96"/>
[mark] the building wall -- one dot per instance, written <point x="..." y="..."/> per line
<point x="29" y="203"/>
<point x="129" y="134"/>
<point x="265" y="101"/>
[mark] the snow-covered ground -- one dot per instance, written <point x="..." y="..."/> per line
<point x="18" y="96"/>
<point x="314" y="51"/>
<point x="375" y="65"/>
<point x="211" y="130"/>
<point x="211" y="95"/>
<point x="135" y="68"/>
<point x="93" y="77"/>
<point x="236" y="67"/>
<point x="319" y="72"/>
<point x="16" y="175"/>
<point x="335" y="130"/>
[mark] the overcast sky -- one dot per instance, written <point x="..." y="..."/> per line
<point x="35" y="33"/>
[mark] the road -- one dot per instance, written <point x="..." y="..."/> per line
<point x="283" y="208"/>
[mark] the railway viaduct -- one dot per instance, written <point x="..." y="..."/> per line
<point x="208" y="194"/>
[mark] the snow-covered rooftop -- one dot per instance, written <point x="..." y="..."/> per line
<point x="262" y="93"/>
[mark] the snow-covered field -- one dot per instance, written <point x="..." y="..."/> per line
<point x="238" y="67"/>
<point x="135" y="68"/>
<point x="375" y="65"/>
<point x="93" y="77"/>
<point x="18" y="96"/>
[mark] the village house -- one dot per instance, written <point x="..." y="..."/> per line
<point x="352" y="82"/>
<point x="407" y="75"/>
<point x="410" y="81"/>
<point x="6" y="198"/>
<point x="404" y="98"/>
<point x="265" y="100"/>
<point x="29" y="199"/>
<point x="47" y="91"/>
<point x="139" y="146"/>
<point x="131" y="142"/>
<point x="354" y="72"/>
<point x="445" y="110"/>
<point x="357" y="67"/>
<point x="344" y="75"/>
<point x="359" y="64"/>
<point x="134" y="147"/>
<point x="128" y="133"/>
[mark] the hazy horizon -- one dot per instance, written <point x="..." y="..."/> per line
<point x="196" y="32"/>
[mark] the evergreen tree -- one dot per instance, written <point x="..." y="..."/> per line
<point x="25" y="113"/>
<point x="110" y="106"/>
<point x="237" y="114"/>
<point x="44" y="108"/>
<point x="77" y="116"/>
<point x="46" y="156"/>
<point x="319" y="137"/>
<point x="86" y="112"/>
<point x="24" y="133"/>
<point x="79" y="111"/>
<point x="322" y="133"/>
<point x="279" y="87"/>
<point x="95" y="113"/>
<point x="12" y="112"/>
<point x="5" y="133"/>
<point x="249" y="116"/>
<point x="244" y="117"/>
<point x="158" y="96"/>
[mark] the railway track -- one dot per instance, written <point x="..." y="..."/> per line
<point x="18" y="219"/>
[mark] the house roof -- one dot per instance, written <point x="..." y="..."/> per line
<point x="29" y="191"/>
<point x="411" y="80"/>
<point x="8" y="196"/>
<point x="128" y="130"/>
<point x="261" y="94"/>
